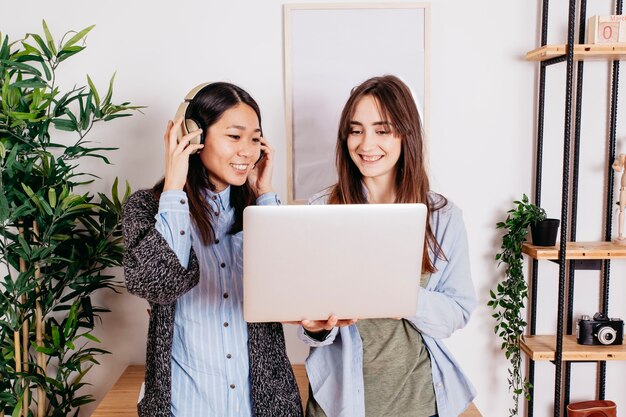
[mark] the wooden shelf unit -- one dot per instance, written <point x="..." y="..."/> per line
<point x="570" y="57"/>
<point x="605" y="52"/>
<point x="542" y="348"/>
<point x="577" y="250"/>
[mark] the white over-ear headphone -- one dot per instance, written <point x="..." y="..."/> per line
<point x="189" y="125"/>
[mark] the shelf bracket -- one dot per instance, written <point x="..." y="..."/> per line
<point x="584" y="264"/>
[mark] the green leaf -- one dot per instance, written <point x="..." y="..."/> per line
<point x="29" y="69"/>
<point x="52" y="197"/>
<point x="45" y="350"/>
<point x="107" y="98"/>
<point x="56" y="336"/>
<point x="18" y="408"/>
<point x="22" y="116"/>
<point x="68" y="52"/>
<point x="4" y="208"/>
<point x="114" y="194"/>
<point x="91" y="337"/>
<point x="115" y="116"/>
<point x="127" y="193"/>
<point x="70" y="324"/>
<point x="64" y="124"/>
<point x="94" y="91"/>
<point x="30" y="83"/>
<point x="4" y="49"/>
<point x="81" y="207"/>
<point x="41" y="44"/>
<point x="49" y="39"/>
<point x="80" y="35"/>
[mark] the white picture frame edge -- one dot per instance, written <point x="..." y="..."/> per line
<point x="287" y="26"/>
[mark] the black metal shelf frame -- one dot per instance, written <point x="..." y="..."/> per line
<point x="568" y="220"/>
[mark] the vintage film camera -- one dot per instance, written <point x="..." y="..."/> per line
<point x="600" y="330"/>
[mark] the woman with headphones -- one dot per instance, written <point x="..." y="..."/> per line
<point x="184" y="256"/>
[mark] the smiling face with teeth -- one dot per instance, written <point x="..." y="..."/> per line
<point x="373" y="146"/>
<point x="232" y="146"/>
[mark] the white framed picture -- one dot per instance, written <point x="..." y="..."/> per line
<point x="329" y="49"/>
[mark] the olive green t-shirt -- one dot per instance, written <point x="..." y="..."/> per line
<point x="397" y="374"/>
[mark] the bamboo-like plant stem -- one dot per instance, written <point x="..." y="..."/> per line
<point x="41" y="361"/>
<point x="24" y="344"/>
<point x="18" y="356"/>
<point x="18" y="351"/>
<point x="25" y="358"/>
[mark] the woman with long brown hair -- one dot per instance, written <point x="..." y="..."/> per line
<point x="183" y="242"/>
<point x="391" y="367"/>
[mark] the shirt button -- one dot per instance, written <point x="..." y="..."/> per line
<point x="232" y="386"/>
<point x="225" y="295"/>
<point x="182" y="201"/>
<point x="217" y="241"/>
<point x="229" y="356"/>
<point x="214" y="197"/>
<point x="182" y="232"/>
<point x="225" y="324"/>
<point x="223" y="265"/>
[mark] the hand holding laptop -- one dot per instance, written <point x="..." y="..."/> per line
<point x="313" y="326"/>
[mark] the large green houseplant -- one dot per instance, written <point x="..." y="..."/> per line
<point x="55" y="242"/>
<point x="508" y="300"/>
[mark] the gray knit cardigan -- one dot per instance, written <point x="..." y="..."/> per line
<point x="153" y="272"/>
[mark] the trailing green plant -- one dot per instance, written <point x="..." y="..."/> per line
<point x="508" y="300"/>
<point x="55" y="243"/>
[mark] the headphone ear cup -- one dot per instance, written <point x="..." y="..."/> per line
<point x="192" y="126"/>
<point x="180" y="112"/>
<point x="189" y="125"/>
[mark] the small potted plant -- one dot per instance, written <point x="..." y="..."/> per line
<point x="544" y="231"/>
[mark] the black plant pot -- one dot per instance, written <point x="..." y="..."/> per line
<point x="544" y="232"/>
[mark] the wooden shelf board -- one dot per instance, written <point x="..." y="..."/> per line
<point x="581" y="52"/>
<point x="578" y="250"/>
<point x="542" y="348"/>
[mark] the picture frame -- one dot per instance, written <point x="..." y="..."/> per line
<point x="329" y="48"/>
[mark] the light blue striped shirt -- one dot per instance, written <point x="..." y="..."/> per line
<point x="210" y="370"/>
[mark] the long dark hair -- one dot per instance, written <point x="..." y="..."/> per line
<point x="206" y="108"/>
<point x="396" y="105"/>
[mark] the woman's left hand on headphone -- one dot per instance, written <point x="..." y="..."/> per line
<point x="260" y="178"/>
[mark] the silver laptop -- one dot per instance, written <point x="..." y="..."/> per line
<point x="354" y="261"/>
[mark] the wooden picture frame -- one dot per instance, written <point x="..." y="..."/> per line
<point x="329" y="49"/>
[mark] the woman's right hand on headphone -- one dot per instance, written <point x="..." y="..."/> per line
<point x="177" y="155"/>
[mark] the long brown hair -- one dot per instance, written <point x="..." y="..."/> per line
<point x="397" y="106"/>
<point x="206" y="108"/>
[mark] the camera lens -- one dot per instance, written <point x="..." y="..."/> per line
<point x="606" y="335"/>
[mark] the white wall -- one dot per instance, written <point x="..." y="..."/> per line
<point x="481" y="140"/>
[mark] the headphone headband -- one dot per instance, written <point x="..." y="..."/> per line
<point x="190" y="95"/>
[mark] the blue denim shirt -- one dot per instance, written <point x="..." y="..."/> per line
<point x="334" y="366"/>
